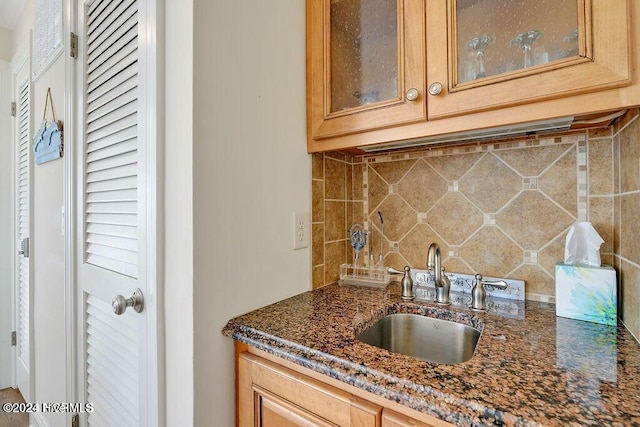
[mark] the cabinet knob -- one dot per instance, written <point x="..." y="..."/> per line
<point x="412" y="94"/>
<point x="435" y="88"/>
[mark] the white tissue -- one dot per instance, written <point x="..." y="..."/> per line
<point x="583" y="245"/>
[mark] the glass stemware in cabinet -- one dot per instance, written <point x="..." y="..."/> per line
<point x="477" y="46"/>
<point x="524" y="42"/>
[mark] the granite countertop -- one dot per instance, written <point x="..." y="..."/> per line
<point x="540" y="370"/>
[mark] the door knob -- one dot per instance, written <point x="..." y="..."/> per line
<point x="121" y="303"/>
<point x="412" y="94"/>
<point x="435" y="88"/>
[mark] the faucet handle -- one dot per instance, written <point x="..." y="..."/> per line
<point x="498" y="284"/>
<point x="392" y="270"/>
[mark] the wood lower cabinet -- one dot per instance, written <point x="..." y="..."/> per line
<point x="394" y="419"/>
<point x="272" y="395"/>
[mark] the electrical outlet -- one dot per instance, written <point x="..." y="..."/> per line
<point x="300" y="230"/>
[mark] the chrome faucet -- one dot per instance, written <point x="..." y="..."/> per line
<point x="441" y="280"/>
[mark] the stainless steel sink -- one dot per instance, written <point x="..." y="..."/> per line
<point x="427" y="338"/>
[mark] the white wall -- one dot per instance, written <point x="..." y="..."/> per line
<point x="250" y="173"/>
<point x="6" y="44"/>
<point x="48" y="258"/>
<point x="23" y="26"/>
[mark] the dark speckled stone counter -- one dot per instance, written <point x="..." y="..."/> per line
<point x="541" y="370"/>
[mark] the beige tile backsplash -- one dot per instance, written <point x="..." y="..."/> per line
<point x="500" y="209"/>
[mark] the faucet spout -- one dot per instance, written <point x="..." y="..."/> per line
<point x="434" y="263"/>
<point x="441" y="281"/>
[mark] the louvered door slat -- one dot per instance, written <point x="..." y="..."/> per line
<point x="122" y="54"/>
<point x="104" y="75"/>
<point x="124" y="231"/>
<point x="125" y="80"/>
<point x="111" y="196"/>
<point x="114" y="118"/>
<point x="112" y="150"/>
<point x="107" y="48"/>
<point x="111" y="342"/>
<point x="22" y="193"/>
<point x="120" y="161"/>
<point x="117" y="172"/>
<point x="111" y="159"/>
<point x="118" y="101"/>
<point x="124" y="183"/>
<point x="113" y="130"/>
<point x="115" y="16"/>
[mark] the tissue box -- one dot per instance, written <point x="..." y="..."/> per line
<point x="586" y="293"/>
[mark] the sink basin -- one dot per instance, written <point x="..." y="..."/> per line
<point x="427" y="338"/>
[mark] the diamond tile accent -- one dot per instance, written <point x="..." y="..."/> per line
<point x="392" y="172"/>
<point x="454" y="167"/>
<point x="530" y="257"/>
<point x="491" y="253"/>
<point x="398" y="216"/>
<point x="538" y="281"/>
<point x="422" y="186"/>
<point x="559" y="182"/>
<point x="533" y="220"/>
<point x="490" y="184"/>
<point x="378" y="189"/>
<point x="551" y="254"/>
<point x="454" y="218"/>
<point x="531" y="161"/>
<point x="530" y="183"/>
<point x="415" y="245"/>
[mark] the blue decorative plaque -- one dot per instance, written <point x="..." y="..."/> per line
<point x="47" y="142"/>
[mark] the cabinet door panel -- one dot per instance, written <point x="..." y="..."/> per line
<point x="272" y="411"/>
<point x="600" y="61"/>
<point x="393" y="419"/>
<point x="362" y="59"/>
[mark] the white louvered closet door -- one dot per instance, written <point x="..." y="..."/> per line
<point x="23" y="229"/>
<point x="117" y="355"/>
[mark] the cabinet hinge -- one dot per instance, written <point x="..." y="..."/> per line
<point x="13" y="338"/>
<point x="75" y="420"/>
<point x="13" y="109"/>
<point x="73" y="44"/>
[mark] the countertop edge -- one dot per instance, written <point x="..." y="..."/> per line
<point x="289" y="351"/>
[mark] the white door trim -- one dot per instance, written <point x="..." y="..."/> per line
<point x="69" y="25"/>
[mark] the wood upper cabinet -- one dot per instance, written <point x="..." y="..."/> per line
<point x="365" y="65"/>
<point x="493" y="54"/>
<point x="474" y="65"/>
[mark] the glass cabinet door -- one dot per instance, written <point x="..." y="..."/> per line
<point x="496" y="53"/>
<point x="366" y="64"/>
<point x="494" y="37"/>
<point x="364" y="61"/>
